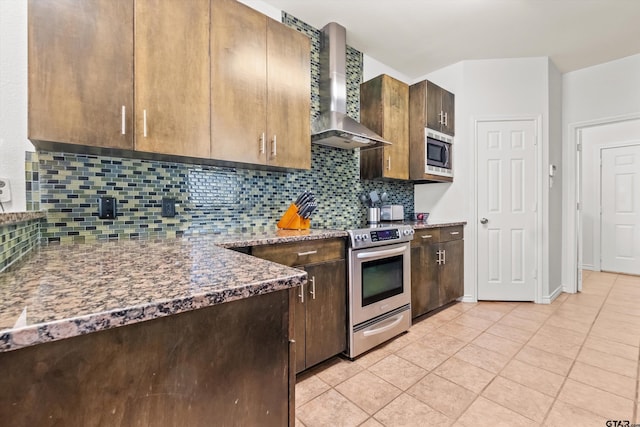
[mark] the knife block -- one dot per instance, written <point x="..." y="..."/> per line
<point x="292" y="221"/>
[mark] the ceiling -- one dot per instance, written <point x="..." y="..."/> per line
<point x="416" y="37"/>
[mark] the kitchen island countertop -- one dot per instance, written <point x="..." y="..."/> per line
<point x="61" y="291"/>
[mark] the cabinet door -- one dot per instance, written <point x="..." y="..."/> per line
<point x="238" y="83"/>
<point x="419" y="292"/>
<point x="326" y="321"/>
<point x="384" y="108"/>
<point x="172" y="72"/>
<point x="299" y="324"/>
<point x="434" y="106"/>
<point x="81" y="72"/>
<point x="448" y="108"/>
<point x="289" y="97"/>
<point x="424" y="279"/>
<point x="452" y="271"/>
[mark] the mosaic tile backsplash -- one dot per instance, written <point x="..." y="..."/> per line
<point x="16" y="240"/>
<point x="209" y="199"/>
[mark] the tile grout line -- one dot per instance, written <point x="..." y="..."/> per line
<point x="578" y="354"/>
<point x="514" y="358"/>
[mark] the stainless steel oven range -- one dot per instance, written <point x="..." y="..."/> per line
<point x="379" y="285"/>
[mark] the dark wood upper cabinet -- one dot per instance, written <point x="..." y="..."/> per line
<point x="260" y="92"/>
<point x="172" y="69"/>
<point x="384" y="108"/>
<point x="430" y="107"/>
<point x="80" y="74"/>
<point x="440" y="104"/>
<point x="199" y="79"/>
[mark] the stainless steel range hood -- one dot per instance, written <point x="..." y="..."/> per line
<point x="334" y="127"/>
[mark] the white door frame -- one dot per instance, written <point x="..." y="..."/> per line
<point x="571" y="212"/>
<point x="537" y="121"/>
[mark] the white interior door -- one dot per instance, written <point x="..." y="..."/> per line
<point x="506" y="210"/>
<point x="620" y="220"/>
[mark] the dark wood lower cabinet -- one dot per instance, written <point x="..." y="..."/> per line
<point x="223" y="365"/>
<point x="451" y="271"/>
<point x="437" y="268"/>
<point x="321" y="304"/>
<point x="324" y="320"/>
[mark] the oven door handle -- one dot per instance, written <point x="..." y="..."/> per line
<point x="385" y="328"/>
<point x="385" y="252"/>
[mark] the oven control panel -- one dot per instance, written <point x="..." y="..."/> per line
<point x="379" y="236"/>
<point x="382" y="235"/>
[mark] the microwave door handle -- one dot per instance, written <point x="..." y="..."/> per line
<point x="446" y="156"/>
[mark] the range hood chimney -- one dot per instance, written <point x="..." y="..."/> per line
<point x="334" y="128"/>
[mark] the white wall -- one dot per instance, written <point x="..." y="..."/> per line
<point x="554" y="184"/>
<point x="607" y="90"/>
<point x="13" y="99"/>
<point x="371" y="68"/>
<point x="488" y="89"/>
<point x="592" y="96"/>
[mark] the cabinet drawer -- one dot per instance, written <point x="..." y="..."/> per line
<point x="426" y="235"/>
<point x="451" y="233"/>
<point x="302" y="253"/>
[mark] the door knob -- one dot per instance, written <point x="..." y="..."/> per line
<point x="484" y="221"/>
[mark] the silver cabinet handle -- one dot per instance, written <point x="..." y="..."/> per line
<point x="144" y="123"/>
<point x="307" y="253"/>
<point x="313" y="287"/>
<point x="446" y="119"/>
<point x="389" y="163"/>
<point x="444" y="256"/>
<point x="124" y="120"/>
<point x="274" y="147"/>
<point x="262" y="144"/>
<point x="440" y="117"/>
<point x="484" y="221"/>
<point x="454" y="233"/>
<point x="439" y="260"/>
<point x="427" y="236"/>
<point x="301" y="294"/>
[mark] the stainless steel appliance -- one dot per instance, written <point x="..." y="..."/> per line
<point x="438" y="153"/>
<point x="391" y="212"/>
<point x="334" y="127"/>
<point x="379" y="285"/>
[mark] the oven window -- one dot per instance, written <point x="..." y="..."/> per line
<point x="381" y="279"/>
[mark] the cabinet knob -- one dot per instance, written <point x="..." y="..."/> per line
<point x="484" y="221"/>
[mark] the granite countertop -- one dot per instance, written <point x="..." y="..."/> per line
<point x="269" y="237"/>
<point x="61" y="291"/>
<point x="71" y="290"/>
<point x="7" y="218"/>
<point x="421" y="225"/>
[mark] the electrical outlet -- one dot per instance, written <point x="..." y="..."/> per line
<point x="107" y="207"/>
<point x="168" y="207"/>
<point x="5" y="190"/>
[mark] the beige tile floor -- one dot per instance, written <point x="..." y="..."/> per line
<point x="570" y="363"/>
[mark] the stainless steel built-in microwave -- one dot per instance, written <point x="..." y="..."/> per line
<point x="438" y="153"/>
